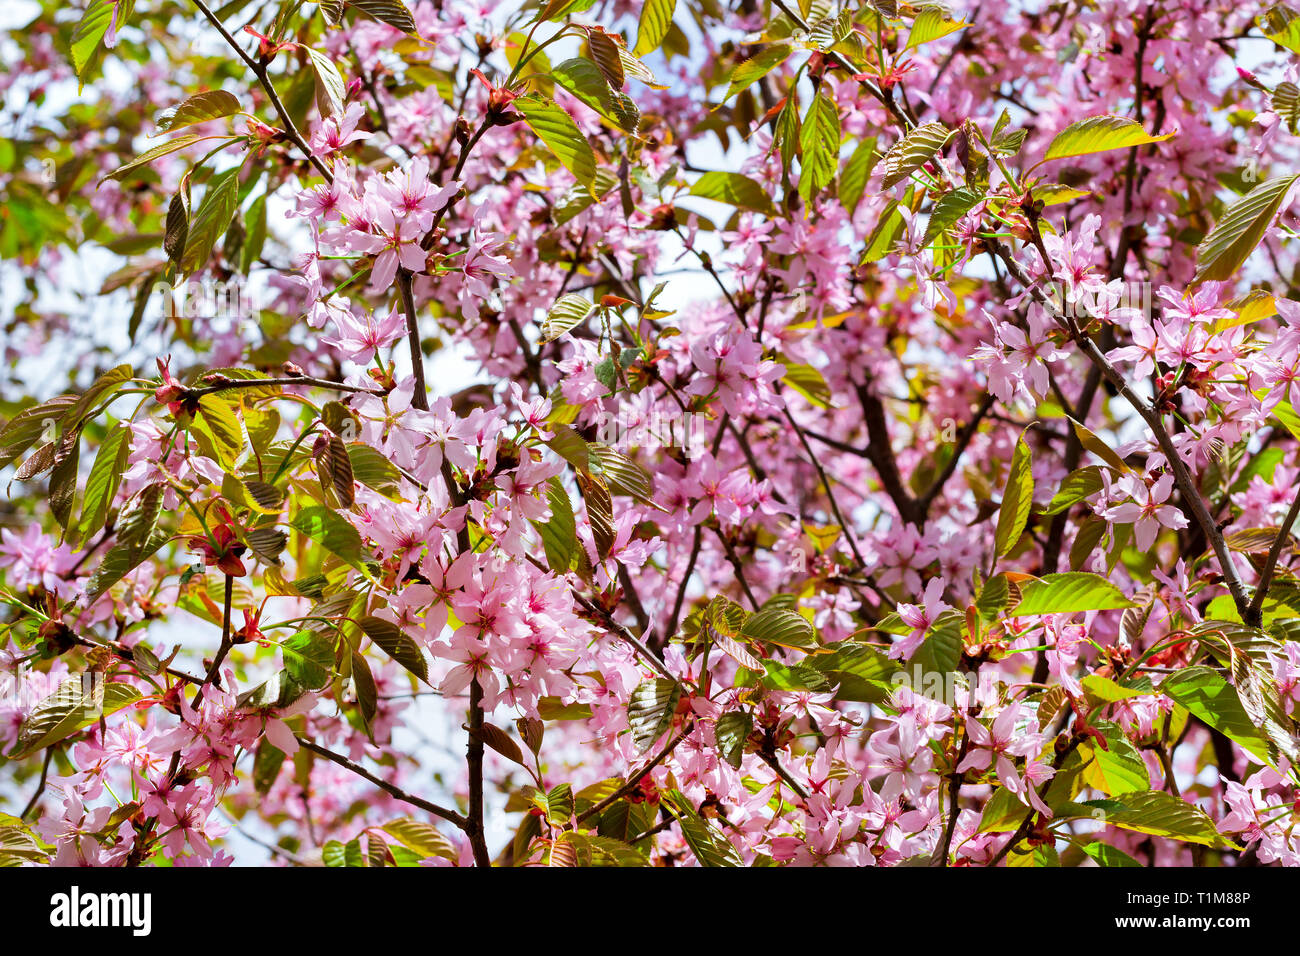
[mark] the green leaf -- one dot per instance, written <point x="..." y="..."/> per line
<point x="90" y="30"/>
<point x="856" y="172"/>
<point x="137" y="539"/>
<point x="656" y="18"/>
<point x="224" y="427"/>
<point x="569" y="445"/>
<point x="913" y="151"/>
<point x="1080" y="484"/>
<point x="710" y="846"/>
<point x="940" y="652"/>
<point x="885" y="233"/>
<point x="21" y="431"/>
<point x="732" y="730"/>
<point x="1281" y="24"/>
<point x="749" y="72"/>
<point x="559" y="534"/>
<point x="421" y="838"/>
<point x="1016" y="500"/>
<point x="397" y="644"/>
<point x="1162" y="814"/>
<point x="1104" y="689"/>
<point x="622" y="475"/>
<point x="327" y="528"/>
<point x="809" y="382"/>
<point x="1099" y="134"/>
<point x="1107" y="855"/>
<point x="1114" y="771"/>
<point x="561" y="135"/>
<point x="331" y="91"/>
<point x="784" y="628"/>
<point x="392" y="12"/>
<point x="309" y="658"/>
<point x="109" y="382"/>
<point x="1240" y="229"/>
<point x="931" y="24"/>
<point x="650" y="710"/>
<point x="266" y="766"/>
<point x="1069" y="593"/>
<point x="363" y="682"/>
<point x="149" y="155"/>
<point x="733" y="189"/>
<point x="569" y="311"/>
<point x="862" y="672"/>
<point x="199" y="108"/>
<point x="79" y="702"/>
<point x="220" y="200"/>
<point x="584" y="80"/>
<point x="178" y="226"/>
<point x="372" y="469"/>
<point x="1205" y="693"/>
<point x="951" y="207"/>
<point x="819" y="140"/>
<point x="105" y="477"/>
<point x="63" y="479"/>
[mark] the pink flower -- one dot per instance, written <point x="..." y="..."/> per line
<point x="919" y="618"/>
<point x="1147" y="510"/>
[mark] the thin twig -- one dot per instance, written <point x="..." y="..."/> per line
<point x="451" y="816"/>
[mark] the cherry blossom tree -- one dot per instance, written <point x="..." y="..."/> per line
<point x="583" y="432"/>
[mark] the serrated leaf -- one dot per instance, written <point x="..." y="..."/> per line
<point x="781" y="627"/>
<point x="622" y="475"/>
<point x="105" y="477"/>
<point x="77" y="703"/>
<point x="731" y="732"/>
<point x="819" y="142"/>
<point x="559" y="534"/>
<point x="1069" y="593"/>
<point x="1016" y="500"/>
<point x="1080" y="484"/>
<point x="950" y="208"/>
<point x="568" y="312"/>
<point x="199" y="108"/>
<point x="1162" y="814"/>
<point x="372" y="469"/>
<point x="710" y="846"/>
<point x="1281" y="25"/>
<point x="650" y="710"/>
<point x="931" y="24"/>
<point x="327" y="528"/>
<point x="149" y="155"/>
<point x="1240" y="229"/>
<point x="220" y="200"/>
<point x="857" y="171"/>
<point x="913" y="151"/>
<point x="397" y="644"/>
<point x="392" y="12"/>
<point x="561" y="135"/>
<point x="309" y="658"/>
<point x="1205" y="693"/>
<point x="421" y="838"/>
<point x="1099" y="134"/>
<point x="89" y="31"/>
<point x="656" y="18"/>
<point x="331" y="91"/>
<point x="749" y="72"/>
<point x="224" y="427"/>
<point x="735" y="190"/>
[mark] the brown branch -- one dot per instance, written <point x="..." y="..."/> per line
<point x="449" y="815"/>
<point x="264" y="79"/>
